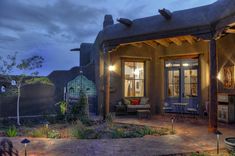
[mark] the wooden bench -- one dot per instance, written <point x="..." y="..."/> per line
<point x="143" y="114"/>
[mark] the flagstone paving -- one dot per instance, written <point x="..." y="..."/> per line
<point x="191" y="136"/>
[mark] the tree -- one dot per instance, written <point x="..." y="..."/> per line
<point x="27" y="67"/>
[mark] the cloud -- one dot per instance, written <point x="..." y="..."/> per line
<point x="48" y="29"/>
<point x="51" y="28"/>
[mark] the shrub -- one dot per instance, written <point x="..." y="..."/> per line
<point x="63" y="107"/>
<point x="41" y="80"/>
<point x="77" y="130"/>
<point x="118" y="133"/>
<point x="53" y="134"/>
<point x="40" y="132"/>
<point x="11" y="131"/>
<point x="109" y="118"/>
<point x="79" y="110"/>
<point x="198" y="154"/>
<point x="77" y="133"/>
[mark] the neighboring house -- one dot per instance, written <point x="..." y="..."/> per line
<point x="170" y="58"/>
<point x="64" y="78"/>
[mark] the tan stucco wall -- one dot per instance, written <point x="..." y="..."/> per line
<point x="226" y="57"/>
<point x="155" y="70"/>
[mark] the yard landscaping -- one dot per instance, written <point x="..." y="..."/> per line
<point x="80" y="130"/>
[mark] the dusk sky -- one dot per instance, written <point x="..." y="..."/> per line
<point x="50" y="28"/>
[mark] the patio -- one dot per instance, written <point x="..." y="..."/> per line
<point x="191" y="136"/>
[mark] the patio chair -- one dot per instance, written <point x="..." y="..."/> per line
<point x="193" y="111"/>
<point x="167" y="108"/>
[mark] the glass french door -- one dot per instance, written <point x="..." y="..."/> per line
<point x="182" y="83"/>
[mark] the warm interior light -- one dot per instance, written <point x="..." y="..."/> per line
<point x="219" y="76"/>
<point x="185" y="64"/>
<point x="137" y="72"/>
<point x="111" y="68"/>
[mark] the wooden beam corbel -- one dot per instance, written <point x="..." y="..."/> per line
<point x="176" y="41"/>
<point x="230" y="31"/>
<point x="162" y="42"/>
<point x="151" y="44"/>
<point x="189" y="39"/>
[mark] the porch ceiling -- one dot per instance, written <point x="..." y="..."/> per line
<point x="166" y="42"/>
<point x="230" y="29"/>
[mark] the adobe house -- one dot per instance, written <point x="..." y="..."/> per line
<point x="173" y="57"/>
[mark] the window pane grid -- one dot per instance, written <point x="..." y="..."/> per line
<point x="134" y="79"/>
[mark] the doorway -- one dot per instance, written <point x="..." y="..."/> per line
<point x="182" y="83"/>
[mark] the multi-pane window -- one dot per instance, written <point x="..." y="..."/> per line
<point x="190" y="83"/>
<point x="182" y="78"/>
<point x="134" y="79"/>
<point x="173" y="83"/>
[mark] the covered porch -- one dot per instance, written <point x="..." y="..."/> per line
<point x="177" y="69"/>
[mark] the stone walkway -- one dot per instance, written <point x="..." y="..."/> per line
<point x="191" y="136"/>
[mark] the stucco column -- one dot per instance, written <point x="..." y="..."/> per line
<point x="213" y="87"/>
<point x="106" y="83"/>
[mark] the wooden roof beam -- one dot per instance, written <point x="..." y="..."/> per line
<point x="151" y="44"/>
<point x="231" y="31"/>
<point x="176" y="41"/>
<point x="189" y="39"/>
<point x="162" y="42"/>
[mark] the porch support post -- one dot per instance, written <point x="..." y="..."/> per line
<point x="106" y="83"/>
<point x="212" y="127"/>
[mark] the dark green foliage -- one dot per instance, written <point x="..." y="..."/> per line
<point x="198" y="154"/>
<point x="63" y="107"/>
<point x="79" y="110"/>
<point x="53" y="134"/>
<point x="135" y="131"/>
<point x="11" y="131"/>
<point x="40" y="80"/>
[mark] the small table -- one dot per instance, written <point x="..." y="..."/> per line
<point x="180" y="107"/>
<point x="120" y="110"/>
<point x="143" y="114"/>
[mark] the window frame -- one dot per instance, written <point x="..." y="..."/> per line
<point x="124" y="78"/>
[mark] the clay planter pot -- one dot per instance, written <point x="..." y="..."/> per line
<point x="230" y="143"/>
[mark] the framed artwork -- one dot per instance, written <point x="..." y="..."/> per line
<point x="228" y="77"/>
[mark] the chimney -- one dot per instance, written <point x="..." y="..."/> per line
<point x="165" y="13"/>
<point x="108" y="20"/>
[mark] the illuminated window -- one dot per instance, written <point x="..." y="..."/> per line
<point x="134" y="79"/>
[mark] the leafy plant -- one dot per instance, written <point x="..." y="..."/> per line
<point x="77" y="133"/>
<point x="29" y="65"/>
<point x="80" y="109"/>
<point x="198" y="154"/>
<point x="40" y="132"/>
<point x="110" y="117"/>
<point x="11" y="131"/>
<point x="41" y="80"/>
<point x="118" y="133"/>
<point x="63" y="107"/>
<point x="54" y="134"/>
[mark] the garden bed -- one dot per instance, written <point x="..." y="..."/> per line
<point x="96" y="130"/>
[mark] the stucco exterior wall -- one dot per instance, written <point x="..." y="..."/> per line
<point x="226" y="57"/>
<point x="155" y="77"/>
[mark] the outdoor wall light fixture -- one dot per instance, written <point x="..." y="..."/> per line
<point x="111" y="68"/>
<point x="25" y="142"/>
<point x="172" y="124"/>
<point x="219" y="76"/>
<point x="218" y="133"/>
